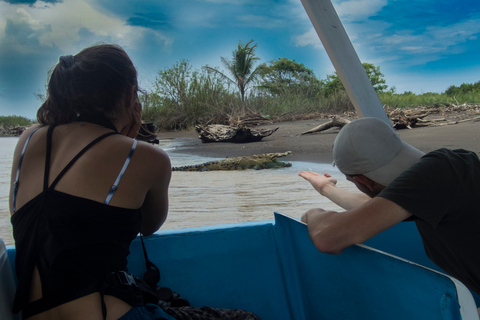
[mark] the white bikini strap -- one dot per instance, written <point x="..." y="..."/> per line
<point x="115" y="185"/>
<point x="15" y="184"/>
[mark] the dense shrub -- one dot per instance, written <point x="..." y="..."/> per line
<point x="184" y="97"/>
<point x="15" y="121"/>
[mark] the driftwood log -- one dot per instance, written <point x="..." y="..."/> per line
<point x="334" y="122"/>
<point x="399" y="119"/>
<point x="410" y="118"/>
<point x="406" y="120"/>
<point x="402" y="119"/>
<point x="224" y="133"/>
<point x="256" y="162"/>
<point x="11" y="131"/>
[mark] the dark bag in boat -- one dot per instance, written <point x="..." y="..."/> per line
<point x="138" y="292"/>
<point x="166" y="297"/>
<point x="130" y="289"/>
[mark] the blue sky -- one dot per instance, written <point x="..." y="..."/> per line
<point x="420" y="46"/>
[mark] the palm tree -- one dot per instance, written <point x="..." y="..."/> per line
<point x="241" y="67"/>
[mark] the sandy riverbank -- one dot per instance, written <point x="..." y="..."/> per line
<point x="317" y="147"/>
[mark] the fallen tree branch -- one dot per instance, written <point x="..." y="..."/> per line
<point x="456" y="122"/>
<point x="224" y="133"/>
<point x="11" y="130"/>
<point x="401" y="119"/>
<point x="334" y="122"/>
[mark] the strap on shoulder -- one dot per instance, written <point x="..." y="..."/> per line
<point x="48" y="155"/>
<point x="119" y="177"/>
<point x="20" y="161"/>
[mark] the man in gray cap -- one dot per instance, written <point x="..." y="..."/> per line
<point x="439" y="190"/>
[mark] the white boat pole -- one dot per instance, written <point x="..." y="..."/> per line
<point x="349" y="69"/>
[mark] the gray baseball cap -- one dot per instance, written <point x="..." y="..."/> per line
<point x="371" y="147"/>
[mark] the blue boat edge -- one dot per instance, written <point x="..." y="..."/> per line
<point x="272" y="268"/>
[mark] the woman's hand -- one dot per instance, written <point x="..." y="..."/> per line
<point x="318" y="181"/>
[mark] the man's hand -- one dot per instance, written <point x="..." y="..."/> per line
<point x="318" y="181"/>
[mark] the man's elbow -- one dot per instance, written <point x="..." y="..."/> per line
<point x="327" y="244"/>
<point x="326" y="248"/>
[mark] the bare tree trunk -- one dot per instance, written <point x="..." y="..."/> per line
<point x="223" y="133"/>
<point x="335" y="122"/>
<point x="242" y="112"/>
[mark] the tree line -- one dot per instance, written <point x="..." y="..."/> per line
<point x="182" y="96"/>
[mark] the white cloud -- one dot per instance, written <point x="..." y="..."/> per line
<point x="199" y="18"/>
<point x="373" y="38"/>
<point x="307" y="39"/>
<point x="59" y="25"/>
<point x="455" y="33"/>
<point x="4" y="11"/>
<point x="262" y="22"/>
<point x="358" y="9"/>
<point x="240" y="2"/>
<point x="350" y="11"/>
<point x="435" y="41"/>
<point x="23" y="32"/>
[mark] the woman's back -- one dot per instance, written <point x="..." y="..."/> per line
<point x="76" y="206"/>
<point x="93" y="173"/>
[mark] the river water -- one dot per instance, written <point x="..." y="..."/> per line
<point x="215" y="197"/>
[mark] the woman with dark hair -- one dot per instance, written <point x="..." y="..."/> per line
<point x="82" y="188"/>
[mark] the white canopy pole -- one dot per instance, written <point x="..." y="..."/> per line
<point x="349" y="69"/>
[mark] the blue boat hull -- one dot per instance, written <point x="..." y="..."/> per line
<point x="273" y="269"/>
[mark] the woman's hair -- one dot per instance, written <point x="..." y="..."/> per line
<point x="95" y="82"/>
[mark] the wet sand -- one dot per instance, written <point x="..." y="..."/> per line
<point x="318" y="147"/>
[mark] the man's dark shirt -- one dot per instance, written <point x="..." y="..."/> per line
<point x="442" y="191"/>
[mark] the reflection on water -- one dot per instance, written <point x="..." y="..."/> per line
<point x="202" y="198"/>
<point x="216" y="197"/>
<point x="7" y="146"/>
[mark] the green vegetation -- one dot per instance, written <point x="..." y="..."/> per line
<point x="283" y="76"/>
<point x="409" y="99"/>
<point x="184" y="97"/>
<point x="465" y="88"/>
<point x="334" y="84"/>
<point x="241" y="68"/>
<point x="14" y="121"/>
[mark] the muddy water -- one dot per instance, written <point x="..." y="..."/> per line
<point x="210" y="198"/>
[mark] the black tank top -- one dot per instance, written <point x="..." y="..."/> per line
<point x="73" y="241"/>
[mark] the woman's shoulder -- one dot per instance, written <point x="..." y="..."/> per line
<point x="146" y="159"/>
<point x="26" y="135"/>
<point x="28" y="132"/>
<point x="152" y="153"/>
<point x="151" y="165"/>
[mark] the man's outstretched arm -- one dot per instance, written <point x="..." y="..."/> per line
<point x="332" y="232"/>
<point x="326" y="185"/>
